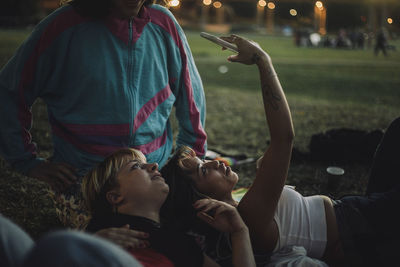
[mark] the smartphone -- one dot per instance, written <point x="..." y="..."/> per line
<point x="219" y="41"/>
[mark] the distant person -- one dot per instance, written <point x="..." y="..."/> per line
<point x="361" y="40"/>
<point x="381" y="43"/>
<point x="110" y="73"/>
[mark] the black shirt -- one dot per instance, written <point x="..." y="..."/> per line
<point x="180" y="248"/>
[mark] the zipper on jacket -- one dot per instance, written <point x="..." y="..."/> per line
<point x="130" y="85"/>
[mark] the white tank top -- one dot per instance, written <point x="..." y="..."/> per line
<point x="301" y="221"/>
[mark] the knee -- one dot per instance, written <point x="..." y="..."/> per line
<point x="14" y="243"/>
<point x="394" y="127"/>
<point x="395" y="123"/>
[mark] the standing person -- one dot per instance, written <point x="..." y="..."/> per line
<point x="110" y="73"/>
<point x="381" y="42"/>
<point x="354" y="231"/>
<point x="126" y="190"/>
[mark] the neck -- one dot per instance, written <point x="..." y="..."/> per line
<point x="231" y="201"/>
<point x="228" y="199"/>
<point x="152" y="213"/>
<point x="127" y="14"/>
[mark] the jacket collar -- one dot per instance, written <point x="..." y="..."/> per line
<point x="121" y="27"/>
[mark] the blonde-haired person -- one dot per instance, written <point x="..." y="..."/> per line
<point x="353" y="231"/>
<point x="110" y="73"/>
<point x="125" y="190"/>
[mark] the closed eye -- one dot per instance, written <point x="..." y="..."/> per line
<point x="203" y="170"/>
<point x="136" y="165"/>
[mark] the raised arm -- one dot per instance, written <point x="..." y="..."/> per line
<point x="258" y="206"/>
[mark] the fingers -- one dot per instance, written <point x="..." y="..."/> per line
<point x="223" y="208"/>
<point x="233" y="38"/>
<point x="66" y="176"/>
<point x="206" y="204"/>
<point x="212" y="205"/>
<point x="59" y="175"/>
<point x="206" y="218"/>
<point x="68" y="171"/>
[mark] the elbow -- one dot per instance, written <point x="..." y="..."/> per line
<point x="290" y="135"/>
<point x="285" y="138"/>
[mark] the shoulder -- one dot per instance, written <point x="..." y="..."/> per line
<point x="63" y="16"/>
<point x="164" y="18"/>
<point x="57" y="23"/>
<point x="161" y="11"/>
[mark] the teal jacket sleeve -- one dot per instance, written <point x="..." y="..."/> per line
<point x="190" y="103"/>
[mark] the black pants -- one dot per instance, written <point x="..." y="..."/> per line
<point x="385" y="170"/>
<point x="369" y="226"/>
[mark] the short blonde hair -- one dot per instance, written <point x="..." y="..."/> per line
<point x="103" y="178"/>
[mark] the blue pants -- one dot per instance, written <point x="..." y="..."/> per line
<point x="58" y="249"/>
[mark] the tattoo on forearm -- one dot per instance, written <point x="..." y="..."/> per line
<point x="256" y="58"/>
<point x="270" y="97"/>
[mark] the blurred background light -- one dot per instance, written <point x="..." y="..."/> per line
<point x="271" y="5"/>
<point x="319" y="5"/>
<point x="217" y="4"/>
<point x="174" y="3"/>
<point x="262" y="3"/>
<point x="293" y="12"/>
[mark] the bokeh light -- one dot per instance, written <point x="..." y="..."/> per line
<point x="174" y="3"/>
<point x="207" y="2"/>
<point x="319" y="5"/>
<point x="271" y="5"/>
<point x="223" y="69"/>
<point x="293" y="12"/>
<point x="262" y="3"/>
<point x="390" y="20"/>
<point x="217" y="4"/>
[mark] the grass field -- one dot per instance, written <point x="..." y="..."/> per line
<point x="326" y="88"/>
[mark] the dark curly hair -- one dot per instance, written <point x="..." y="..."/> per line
<point x="97" y="8"/>
<point x="178" y="207"/>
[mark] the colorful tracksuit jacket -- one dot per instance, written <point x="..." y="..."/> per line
<point x="107" y="85"/>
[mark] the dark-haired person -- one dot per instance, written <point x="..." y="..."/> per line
<point x="353" y="231"/>
<point x="110" y="73"/>
<point x="126" y="190"/>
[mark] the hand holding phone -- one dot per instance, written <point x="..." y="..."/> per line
<point x="219" y="41"/>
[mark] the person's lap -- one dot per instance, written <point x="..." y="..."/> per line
<point x="368" y="224"/>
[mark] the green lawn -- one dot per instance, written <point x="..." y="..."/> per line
<point x="325" y="87"/>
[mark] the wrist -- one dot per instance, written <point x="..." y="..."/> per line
<point x="240" y="232"/>
<point x="263" y="59"/>
<point x="265" y="65"/>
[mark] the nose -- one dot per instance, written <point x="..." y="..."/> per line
<point x="213" y="164"/>
<point x="152" y="167"/>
